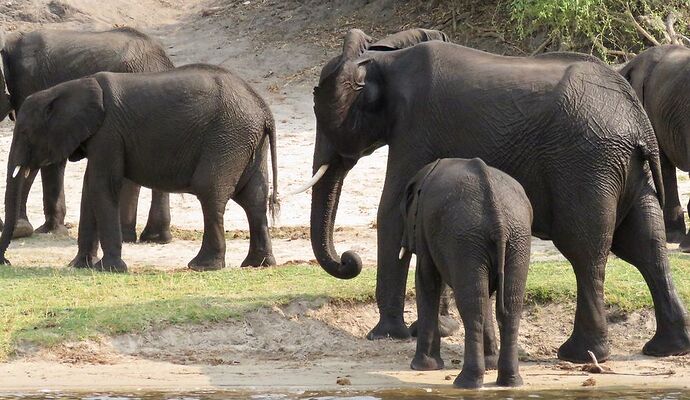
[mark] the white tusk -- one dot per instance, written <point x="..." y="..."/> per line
<point x="16" y="171"/>
<point x="318" y="175"/>
<point x="402" y="253"/>
<point x="27" y="171"/>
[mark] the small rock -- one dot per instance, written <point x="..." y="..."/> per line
<point x="455" y="361"/>
<point x="449" y="377"/>
<point x="343" y="381"/>
<point x="589" y="382"/>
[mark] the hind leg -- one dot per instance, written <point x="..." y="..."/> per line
<point x="428" y="286"/>
<point x="640" y="240"/>
<point x="513" y="296"/>
<point x="447" y="325"/>
<point x="674" y="220"/>
<point x="472" y="296"/>
<point x="129" y="199"/>
<point x="585" y="240"/>
<point x="157" y="229"/>
<point x="253" y="198"/>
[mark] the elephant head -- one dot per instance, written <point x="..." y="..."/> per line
<point x="350" y="123"/>
<point x="5" y="104"/>
<point x="52" y="125"/>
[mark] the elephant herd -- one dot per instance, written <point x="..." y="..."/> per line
<point x="484" y="152"/>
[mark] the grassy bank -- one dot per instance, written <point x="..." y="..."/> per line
<point x="46" y="306"/>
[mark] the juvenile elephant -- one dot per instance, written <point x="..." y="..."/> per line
<point x="35" y="61"/>
<point x="660" y="78"/>
<point x="572" y="132"/>
<point x="469" y="225"/>
<point x="197" y="129"/>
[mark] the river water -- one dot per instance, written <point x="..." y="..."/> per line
<point x="421" y="394"/>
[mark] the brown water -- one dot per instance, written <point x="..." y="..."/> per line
<point x="421" y="394"/>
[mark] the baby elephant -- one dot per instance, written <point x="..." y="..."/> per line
<point x="469" y="225"/>
<point x="197" y="129"/>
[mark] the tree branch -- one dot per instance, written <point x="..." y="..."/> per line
<point x="640" y="29"/>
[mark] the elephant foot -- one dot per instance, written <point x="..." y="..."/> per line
<point x="447" y="326"/>
<point x="254" y="260"/>
<point x="83" y="261"/>
<point x="160" y="236"/>
<point x="467" y="380"/>
<point x="669" y="342"/>
<point x="575" y="349"/>
<point x="110" y="265"/>
<point x="201" y="264"/>
<point x="22" y="229"/>
<point x="423" y="362"/>
<point x="55" y="228"/>
<point x="685" y="244"/>
<point x="129" y="235"/>
<point x="389" y="329"/>
<point x="509" y="379"/>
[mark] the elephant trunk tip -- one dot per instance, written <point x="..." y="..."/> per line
<point x="349" y="267"/>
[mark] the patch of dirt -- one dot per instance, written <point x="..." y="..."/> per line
<point x="316" y="340"/>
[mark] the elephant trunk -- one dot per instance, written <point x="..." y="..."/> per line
<point x="324" y="206"/>
<point x="13" y="192"/>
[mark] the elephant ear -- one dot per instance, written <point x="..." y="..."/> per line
<point x="408" y="208"/>
<point x="355" y="44"/>
<point x="72" y="116"/>
<point x="408" y="38"/>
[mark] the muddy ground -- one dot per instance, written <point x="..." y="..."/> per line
<point x="278" y="46"/>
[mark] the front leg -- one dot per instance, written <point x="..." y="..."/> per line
<point x="391" y="275"/>
<point x="54" y="209"/>
<point x="105" y="178"/>
<point x="87" y="256"/>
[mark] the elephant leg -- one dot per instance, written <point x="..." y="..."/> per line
<point x="447" y="325"/>
<point x="253" y="198"/>
<point x="429" y="285"/>
<point x="129" y="201"/>
<point x="640" y="241"/>
<point x="24" y="227"/>
<point x="157" y="229"/>
<point x="586" y="242"/>
<point x="490" y="343"/>
<point x="509" y="318"/>
<point x="54" y="209"/>
<point x="391" y="275"/>
<point x="87" y="255"/>
<point x="103" y="182"/>
<point x="674" y="220"/>
<point x="685" y="243"/>
<point x="212" y="253"/>
<point x="472" y="297"/>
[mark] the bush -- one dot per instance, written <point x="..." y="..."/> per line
<point x="607" y="28"/>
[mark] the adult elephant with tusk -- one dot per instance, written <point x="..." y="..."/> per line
<point x="571" y="131"/>
<point x="35" y="61"/>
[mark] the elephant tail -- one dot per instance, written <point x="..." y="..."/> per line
<point x="654" y="161"/>
<point x="273" y="201"/>
<point x="501" y="244"/>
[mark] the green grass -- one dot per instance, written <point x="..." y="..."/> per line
<point x="45" y="306"/>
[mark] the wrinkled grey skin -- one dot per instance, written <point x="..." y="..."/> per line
<point x="197" y="129"/>
<point x="660" y="77"/>
<point x="469" y="225"/>
<point x="572" y="132"/>
<point x="37" y="60"/>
